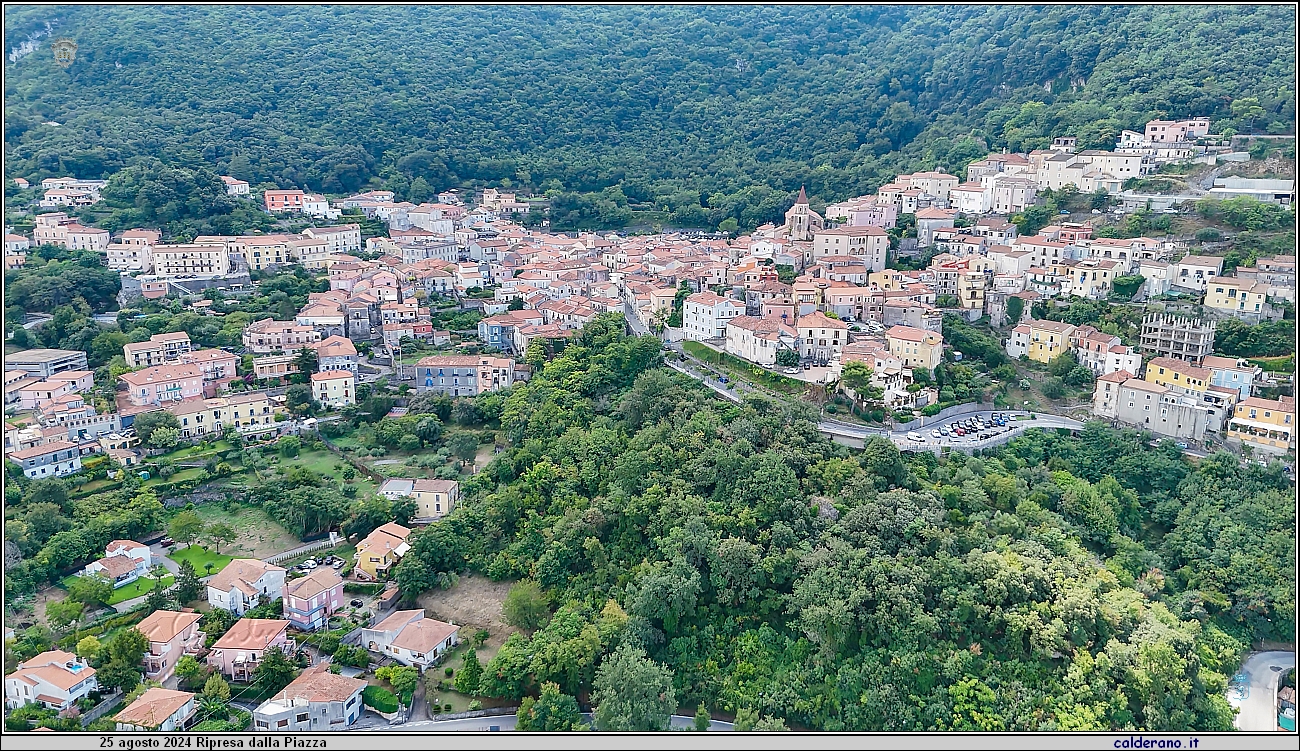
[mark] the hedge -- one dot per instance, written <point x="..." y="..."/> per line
<point x="363" y="588"/>
<point x="379" y="699"/>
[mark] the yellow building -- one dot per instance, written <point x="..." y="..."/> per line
<point x="381" y="550"/>
<point x="334" y="388"/>
<point x="1237" y="296"/>
<point x="917" y="348"/>
<point x="435" y="498"/>
<point x="1048" y="339"/>
<point x="1264" y="424"/>
<point x="249" y="413"/>
<point x="1178" y="374"/>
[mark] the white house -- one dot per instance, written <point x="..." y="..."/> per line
<point x="55" y="679"/>
<point x="124" y="561"/>
<point x="410" y="638"/>
<point x="243" y="583"/>
<point x="705" y="315"/>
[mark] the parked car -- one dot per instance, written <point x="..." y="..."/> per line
<point x="167" y="541"/>
<point x="915" y="436"/>
<point x="791" y="371"/>
<point x="935" y="434"/>
<point x="356" y="603"/>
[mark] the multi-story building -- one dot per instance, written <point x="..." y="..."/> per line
<point x="278" y="201"/>
<point x="1102" y="353"/>
<point x="54" y="679"/>
<point x="244" y="584"/>
<point x="56" y="459"/>
<point x="1264" y="424"/>
<point x="1040" y="340"/>
<point x="1241" y="298"/>
<point x="1277" y="273"/>
<point x="171" y="635"/>
<point x="1153" y="407"/>
<point x="161" y="349"/>
<point x="1238" y="375"/>
<point x="462" y="375"/>
<point x="235" y="186"/>
<point x="250" y="413"/>
<point x="1178" y="375"/>
<point x="124" y="561"/>
<point x="917" y="348"/>
<point x="163" y="383"/>
<point x="409" y="638"/>
<point x="758" y="340"/>
<point x="274" y="366"/>
<point x="334" y="388"/>
<point x="239" y="652"/>
<point x="317" y="700"/>
<point x="309" y="601"/>
<point x="344" y="239"/>
<point x="191" y="259"/>
<point x="1174" y="131"/>
<point x="46" y="362"/>
<point x="1193" y="272"/>
<point x="336" y="353"/>
<point x="269" y="336"/>
<point x="433" y="498"/>
<point x="821" y="339"/>
<point x="705" y="315"/>
<point x="381" y="550"/>
<point x="868" y="243"/>
<point x="1179" y="337"/>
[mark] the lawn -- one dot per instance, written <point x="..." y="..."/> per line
<point x="199" y="557"/>
<point x="257" y="534"/>
<point x="138" y="588"/>
<point x="94" y="486"/>
<point x="197" y="450"/>
<point x="181" y="476"/>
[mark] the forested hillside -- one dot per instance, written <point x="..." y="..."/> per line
<point x="710" y="113"/>
<point x="1060" y="583"/>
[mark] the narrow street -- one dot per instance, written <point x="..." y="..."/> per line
<point x="1253" y="690"/>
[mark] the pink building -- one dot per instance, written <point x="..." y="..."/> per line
<point x="217" y="365"/>
<point x="237" y="654"/>
<point x="311" y="600"/>
<point x="1173" y="131"/>
<point x="171" y="635"/>
<point x="163" y="383"/>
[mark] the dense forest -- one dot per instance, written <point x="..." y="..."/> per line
<point x="1084" y="583"/>
<point x="705" y="113"/>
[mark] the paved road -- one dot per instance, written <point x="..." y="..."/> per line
<point x="1253" y="690"/>
<point x="507" y="722"/>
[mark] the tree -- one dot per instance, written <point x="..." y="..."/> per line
<point x="146" y="423"/>
<point x="158" y="598"/>
<point x="632" y="693"/>
<point x="63" y="612"/>
<point x="1054" y="388"/>
<point x="402" y="679"/>
<point x="289" y="446"/>
<point x="467" y="678"/>
<point x="787" y="358"/>
<point x="464" y="446"/>
<point x="188" y="585"/>
<point x="217" y="688"/>
<point x="525" y="606"/>
<point x="191" y="672"/>
<point x="1247" y="111"/>
<point x="185" y="527"/>
<point x="218" y="533"/>
<point x="551" y="712"/>
<point x="746" y="719"/>
<point x="274" y="672"/>
<point x="121" y="668"/>
<point x="1015" y="309"/>
<point x="164" y="438"/>
<point x="306" y="360"/>
<point x="92" y="590"/>
<point x="298" y="399"/>
<point x="88" y="648"/>
<point x="702" y="718"/>
<point x="429" y="430"/>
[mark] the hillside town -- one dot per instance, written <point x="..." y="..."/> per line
<point x="857" y="299"/>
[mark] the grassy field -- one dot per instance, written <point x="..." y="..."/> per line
<point x="745" y="370"/>
<point x="181" y="476"/>
<point x="199" y="556"/>
<point x="258" y="535"/>
<point x="197" y="451"/>
<point x="138" y="588"/>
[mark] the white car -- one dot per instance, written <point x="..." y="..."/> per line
<point x="915" y="436"/>
<point x="791" y="371"/>
<point x="935" y="434"/>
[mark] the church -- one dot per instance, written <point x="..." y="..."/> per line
<point x="801" y="221"/>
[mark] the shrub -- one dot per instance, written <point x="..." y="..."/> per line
<point x="379" y="699"/>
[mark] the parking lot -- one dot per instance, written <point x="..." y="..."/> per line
<point x="978" y="429"/>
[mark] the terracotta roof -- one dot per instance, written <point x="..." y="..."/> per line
<point x="424" y="635"/>
<point x="397" y="621"/>
<point x="335" y="346"/>
<point x="1179" y="366"/>
<point x="318" y="685"/>
<point x="435" y="486"/>
<point x="241" y="573"/>
<point x="322" y="579"/>
<point x="153" y="707"/>
<point x="332" y="375"/>
<point x="910" y="334"/>
<point x="819" y="320"/>
<point x="252" y="633"/>
<point x="164" y="625"/>
<point x="161" y="374"/>
<point x="53" y="668"/>
<point x="933" y="213"/>
<point x="1118" y="376"/>
<point x="115" y="566"/>
<point x="384" y="539"/>
<point x="36" y="451"/>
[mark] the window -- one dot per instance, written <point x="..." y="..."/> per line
<point x="301" y="717"/>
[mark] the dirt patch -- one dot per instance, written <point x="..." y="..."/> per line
<point x="474" y="603"/>
<point x="43" y="598"/>
<point x="259" y="536"/>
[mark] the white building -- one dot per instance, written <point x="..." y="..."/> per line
<point x="705" y="315"/>
<point x="54" y="679"/>
<point x="244" y="583"/>
<point x="409" y="638"/>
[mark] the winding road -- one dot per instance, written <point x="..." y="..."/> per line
<point x="1253" y="690"/>
<point x="505" y="723"/>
